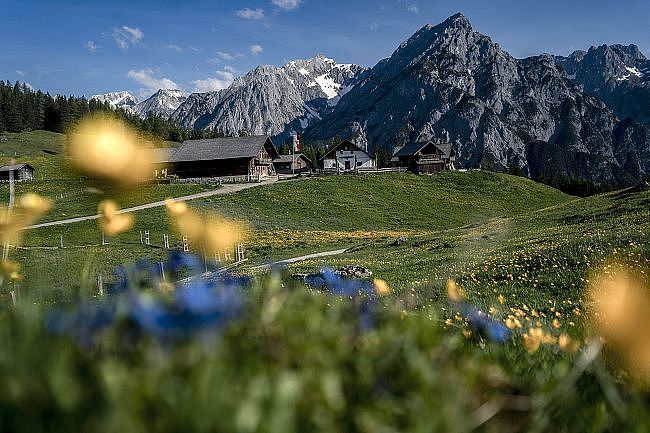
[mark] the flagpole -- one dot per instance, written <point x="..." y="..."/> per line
<point x="293" y="157"/>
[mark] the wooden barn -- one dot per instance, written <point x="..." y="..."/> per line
<point x="162" y="162"/>
<point x="21" y="172"/>
<point x="250" y="157"/>
<point x="425" y="157"/>
<point x="289" y="164"/>
<point x="346" y="157"/>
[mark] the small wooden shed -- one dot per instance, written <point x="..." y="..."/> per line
<point x="288" y="164"/>
<point x="21" y="172"/>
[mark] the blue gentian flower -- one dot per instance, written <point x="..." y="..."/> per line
<point x="200" y="305"/>
<point x="483" y="324"/>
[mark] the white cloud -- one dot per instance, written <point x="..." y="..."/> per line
<point x="256" y="49"/>
<point x="174" y="47"/>
<point x="225" y="56"/>
<point x="126" y="36"/>
<point x="251" y="14"/>
<point x="193" y="48"/>
<point x="222" y="81"/>
<point x="413" y="8"/>
<point x="374" y="26"/>
<point x="91" y="46"/>
<point x="222" y="56"/>
<point x="20" y="72"/>
<point x="286" y="5"/>
<point x="151" y="84"/>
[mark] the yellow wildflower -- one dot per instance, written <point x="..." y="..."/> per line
<point x="454" y="292"/>
<point x="111" y="221"/>
<point x="381" y="287"/>
<point x="108" y="148"/>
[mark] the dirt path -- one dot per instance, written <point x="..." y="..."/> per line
<point x="300" y="259"/>
<point x="214" y="274"/>
<point x="225" y="189"/>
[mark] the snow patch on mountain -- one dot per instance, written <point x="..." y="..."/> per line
<point x="634" y="71"/>
<point x="327" y="85"/>
<point x="124" y="100"/>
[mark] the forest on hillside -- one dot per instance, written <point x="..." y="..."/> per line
<point x="25" y="109"/>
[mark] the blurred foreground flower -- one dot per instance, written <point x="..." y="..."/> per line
<point x="363" y="293"/>
<point x="29" y="209"/>
<point x="619" y="314"/>
<point x="479" y="322"/>
<point x="10" y="270"/>
<point x="535" y="337"/>
<point x="211" y="232"/>
<point x="381" y="287"/>
<point x="108" y="149"/>
<point x="111" y="221"/>
<point x="196" y="307"/>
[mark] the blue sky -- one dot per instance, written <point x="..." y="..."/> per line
<point x="87" y="47"/>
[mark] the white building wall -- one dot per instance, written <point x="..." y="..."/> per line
<point x="356" y="159"/>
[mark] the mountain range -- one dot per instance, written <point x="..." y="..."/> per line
<point x="579" y="118"/>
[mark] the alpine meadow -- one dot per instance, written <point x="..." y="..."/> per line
<point x="455" y="239"/>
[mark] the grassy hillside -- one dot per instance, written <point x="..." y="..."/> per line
<point x="295" y="218"/>
<point x="536" y="258"/>
<point x="389" y="201"/>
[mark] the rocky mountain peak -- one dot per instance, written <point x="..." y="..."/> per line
<point x="162" y="103"/>
<point x="272" y="100"/>
<point x="123" y="99"/>
<point x="451" y="83"/>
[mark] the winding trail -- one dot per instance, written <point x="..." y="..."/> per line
<point x="207" y="276"/>
<point x="225" y="189"/>
<point x="300" y="259"/>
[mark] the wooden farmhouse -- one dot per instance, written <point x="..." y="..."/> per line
<point x="21" y="172"/>
<point x="249" y="157"/>
<point x="346" y="157"/>
<point x="425" y="157"/>
<point x="288" y="164"/>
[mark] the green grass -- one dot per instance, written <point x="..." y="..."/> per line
<point x="389" y="201"/>
<point x="31" y="144"/>
<point x="409" y="204"/>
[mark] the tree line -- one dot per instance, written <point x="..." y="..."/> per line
<point x="25" y="109"/>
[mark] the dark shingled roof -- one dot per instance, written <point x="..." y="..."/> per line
<point x="289" y="158"/>
<point x="15" y="167"/>
<point x="413" y="148"/>
<point x="346" y="143"/>
<point x="223" y="148"/>
<point x="163" y="155"/>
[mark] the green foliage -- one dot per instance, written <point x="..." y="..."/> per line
<point x="296" y="361"/>
<point x="24" y="109"/>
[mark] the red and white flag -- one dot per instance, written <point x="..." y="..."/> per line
<point x="296" y="143"/>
